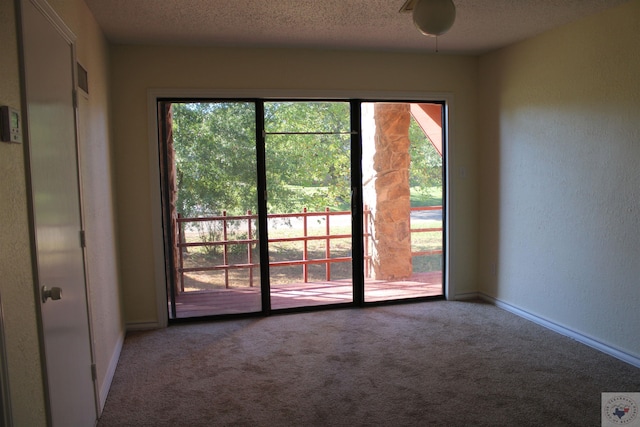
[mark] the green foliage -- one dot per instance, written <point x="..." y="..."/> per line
<point x="426" y="196"/>
<point x="426" y="162"/>
<point x="319" y="162"/>
<point x="215" y="157"/>
<point x="215" y="152"/>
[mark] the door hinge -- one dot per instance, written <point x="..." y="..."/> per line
<point x="75" y="99"/>
<point x="94" y="372"/>
<point x="83" y="239"/>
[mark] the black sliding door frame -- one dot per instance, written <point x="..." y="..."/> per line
<point x="263" y="236"/>
<point x="357" y="189"/>
<point x="163" y="108"/>
<point x="357" y="229"/>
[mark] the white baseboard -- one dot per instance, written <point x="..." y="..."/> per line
<point x="111" y="371"/>
<point x="607" y="349"/>
<point x="142" y="326"/>
<point x="468" y="296"/>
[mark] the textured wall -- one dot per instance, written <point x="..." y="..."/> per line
<point x="16" y="280"/>
<point x="137" y="69"/>
<point x="16" y="285"/>
<point x="560" y="191"/>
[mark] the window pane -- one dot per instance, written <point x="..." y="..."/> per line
<point x="308" y="187"/>
<point x="216" y="200"/>
<point x="402" y="193"/>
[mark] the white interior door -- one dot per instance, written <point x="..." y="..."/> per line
<point x="49" y="62"/>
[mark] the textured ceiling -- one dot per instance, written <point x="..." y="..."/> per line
<point x="481" y="25"/>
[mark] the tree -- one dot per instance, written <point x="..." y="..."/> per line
<point x="318" y="158"/>
<point x="426" y="162"/>
<point x="215" y="157"/>
<point x="307" y="156"/>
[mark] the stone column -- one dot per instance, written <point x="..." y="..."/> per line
<point x="386" y="163"/>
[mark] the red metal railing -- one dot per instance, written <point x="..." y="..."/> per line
<point x="426" y="230"/>
<point x="249" y="242"/>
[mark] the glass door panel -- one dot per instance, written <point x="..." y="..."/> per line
<point x="213" y="204"/>
<point x="403" y="189"/>
<point x="307" y="151"/>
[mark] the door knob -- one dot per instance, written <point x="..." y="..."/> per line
<point x="53" y="293"/>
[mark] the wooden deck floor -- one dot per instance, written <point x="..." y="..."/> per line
<point x="248" y="300"/>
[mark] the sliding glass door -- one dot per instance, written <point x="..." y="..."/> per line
<point x="273" y="205"/>
<point x="307" y="146"/>
<point x="211" y="208"/>
<point x="403" y="193"/>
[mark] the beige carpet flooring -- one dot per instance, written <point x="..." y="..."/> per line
<point x="425" y="364"/>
